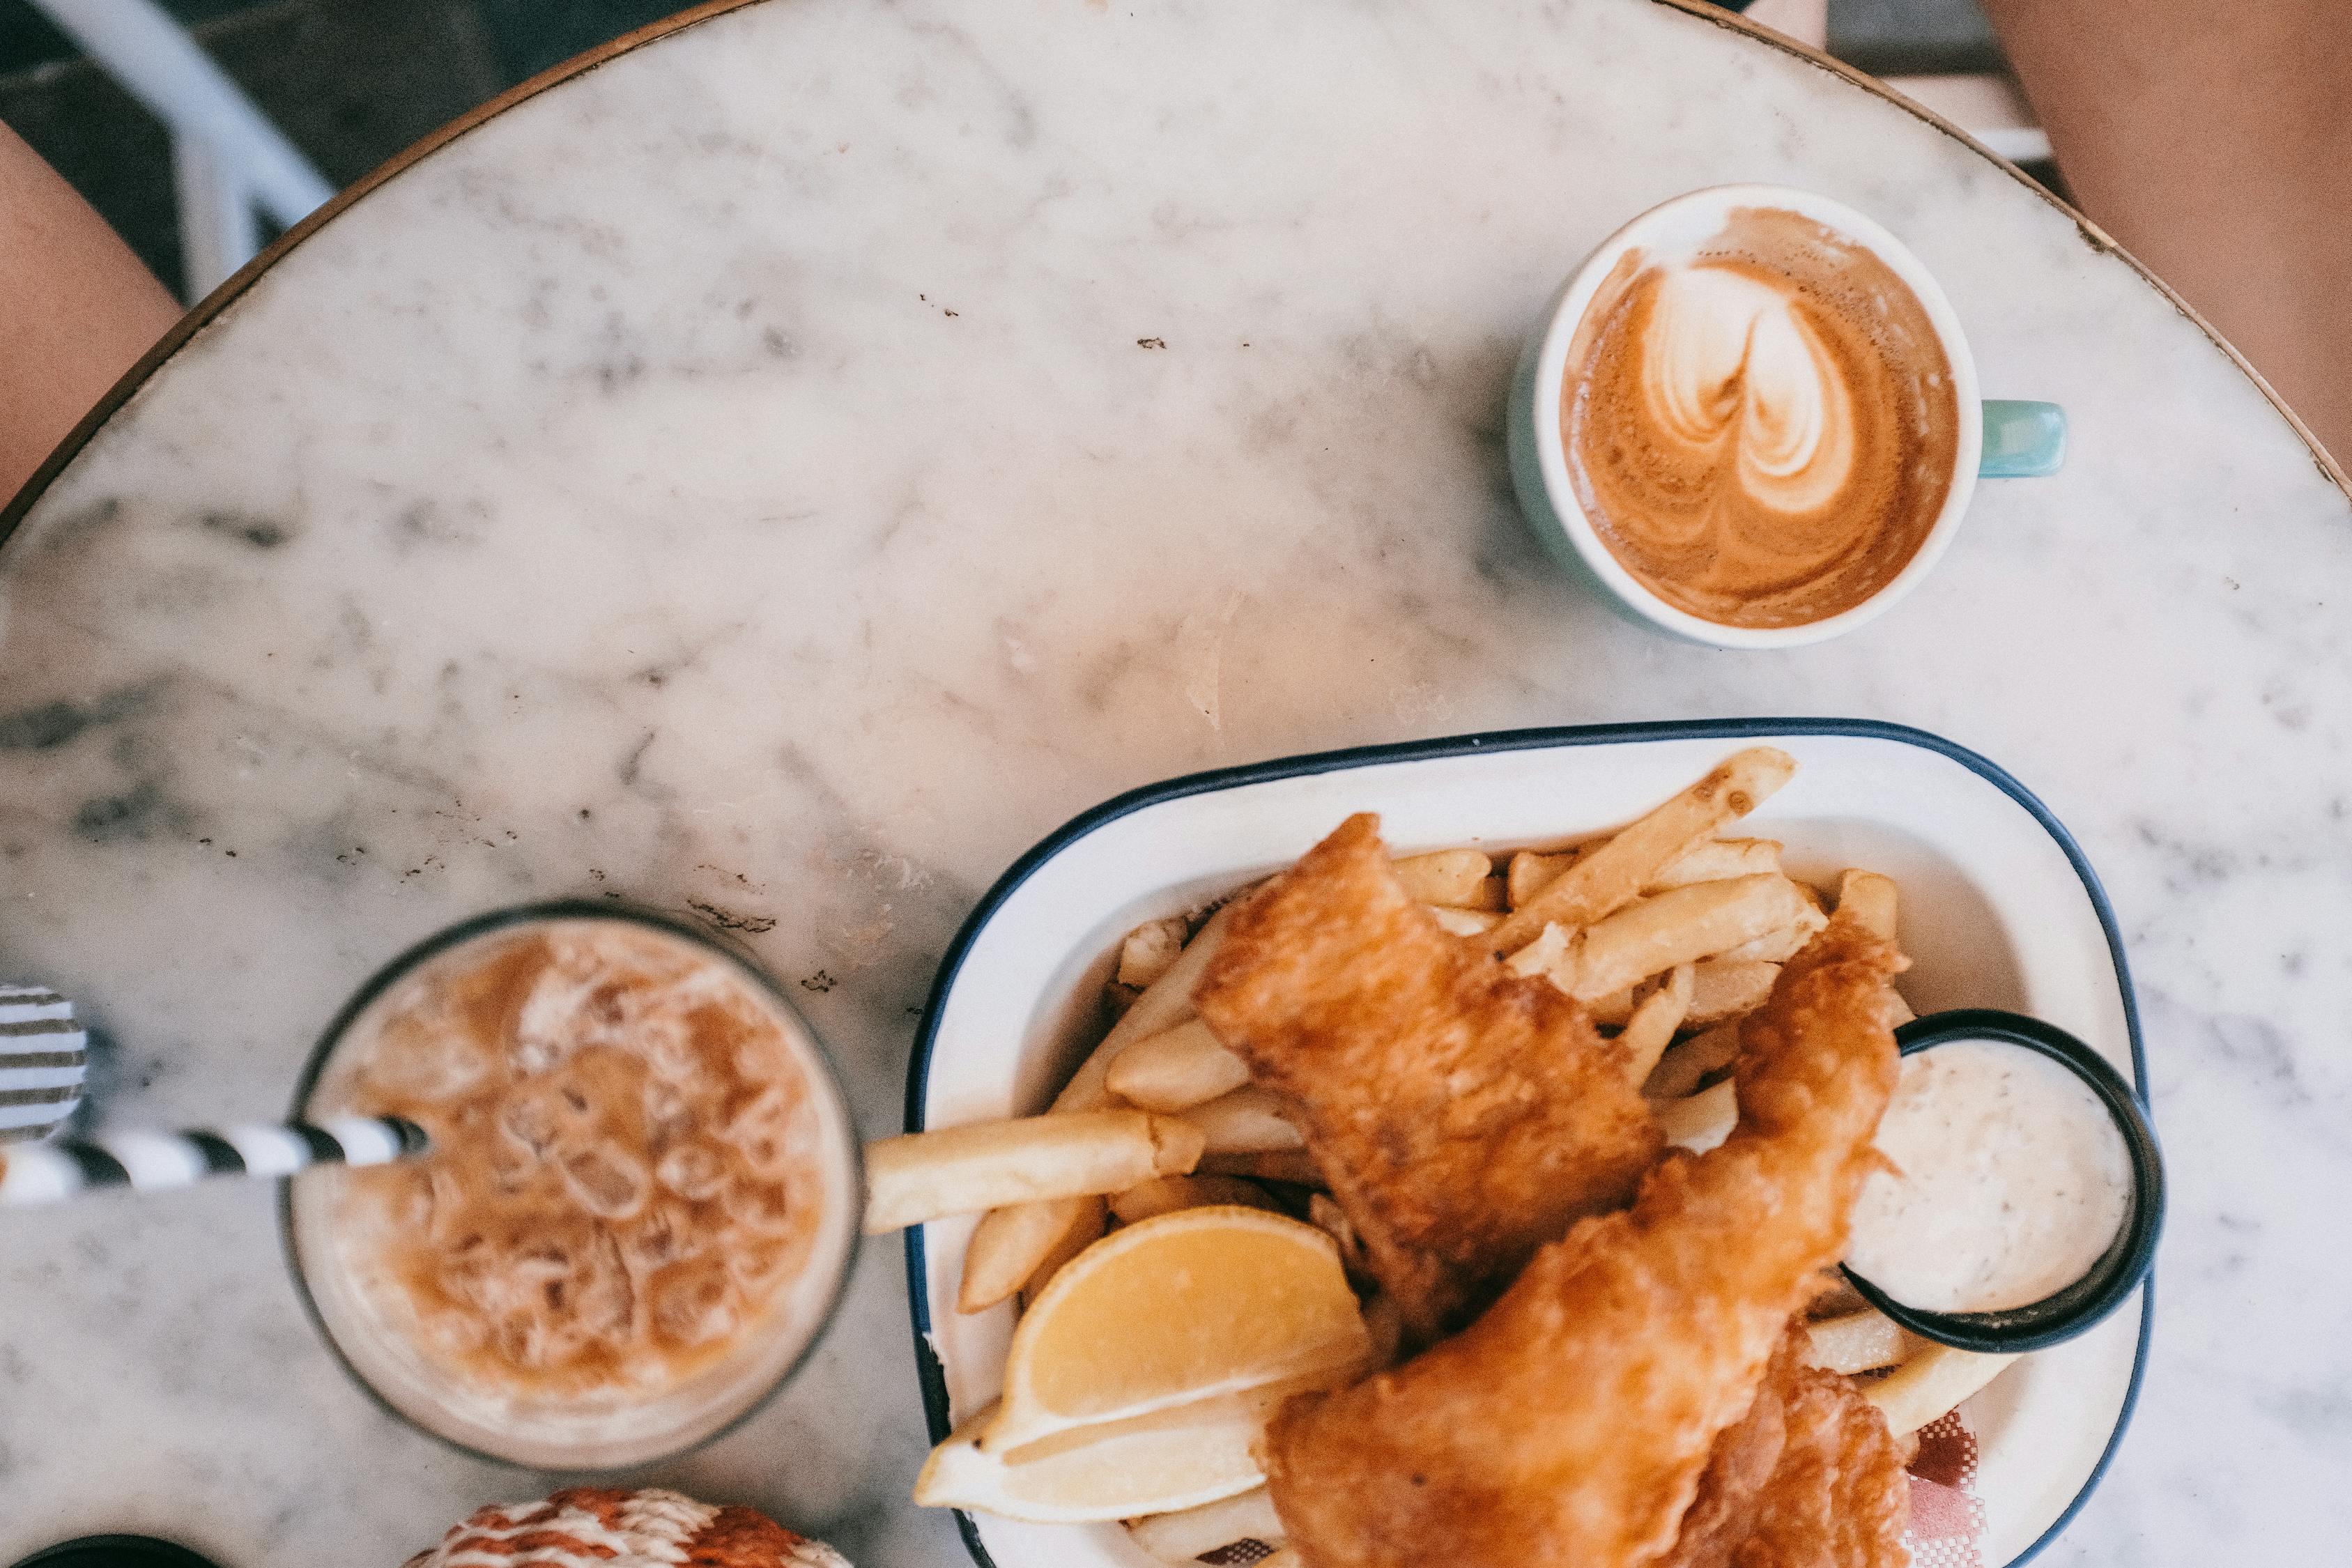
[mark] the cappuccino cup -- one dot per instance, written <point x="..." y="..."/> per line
<point x="1751" y="416"/>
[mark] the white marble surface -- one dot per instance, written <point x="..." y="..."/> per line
<point x="734" y="480"/>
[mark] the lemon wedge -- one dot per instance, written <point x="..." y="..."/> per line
<point x="1174" y="1310"/>
<point x="1170" y="1459"/>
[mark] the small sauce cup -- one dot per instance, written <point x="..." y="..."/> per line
<point x="2119" y="1271"/>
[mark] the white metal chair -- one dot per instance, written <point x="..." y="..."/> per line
<point x="1987" y="107"/>
<point x="230" y="166"/>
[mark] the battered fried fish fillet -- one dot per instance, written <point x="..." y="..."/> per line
<point x="1731" y="1489"/>
<point x="1810" y="1478"/>
<point x="1569" y="1427"/>
<point x="1465" y="1116"/>
<point x="1838" y="1498"/>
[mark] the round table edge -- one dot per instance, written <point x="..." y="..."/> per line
<point x="203" y="313"/>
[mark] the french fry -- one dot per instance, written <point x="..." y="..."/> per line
<point x="1165" y="1004"/>
<point x="1681" y="1069"/>
<point x="1532" y="870"/>
<point x="1546" y="956"/>
<point x="1295" y="1166"/>
<point x="1875" y="901"/>
<point x="1858" y="1341"/>
<point x="1176" y="1069"/>
<point x="1463" y="922"/>
<point x="1702" y="1120"/>
<point x="1010" y="1247"/>
<point x="1655" y="1018"/>
<point x="1781" y="945"/>
<point x="1555" y="955"/>
<point x="1249" y="1121"/>
<point x="1717" y="860"/>
<point x="924" y="1176"/>
<point x="1610" y="875"/>
<point x="1694" y="917"/>
<point x="1085" y="1230"/>
<point x="1708" y="860"/>
<point x="1931" y="1383"/>
<point x="1681" y="925"/>
<point x="1010" y="1244"/>
<point x="1452" y="877"/>
<point x="1193" y="1532"/>
<point x="1871" y="899"/>
<point x="1149" y="950"/>
<point x="1724" y="988"/>
<point x="1166" y="1194"/>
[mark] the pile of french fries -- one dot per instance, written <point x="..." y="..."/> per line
<point x="1669" y="931"/>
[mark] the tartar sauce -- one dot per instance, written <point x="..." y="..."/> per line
<point x="2013" y="1181"/>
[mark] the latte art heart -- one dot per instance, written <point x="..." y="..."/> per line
<point x="1763" y="432"/>
<point x="1734" y="373"/>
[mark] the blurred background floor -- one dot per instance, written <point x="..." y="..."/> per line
<point x="352" y="82"/>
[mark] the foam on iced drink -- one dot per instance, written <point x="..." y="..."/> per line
<point x="629" y="1168"/>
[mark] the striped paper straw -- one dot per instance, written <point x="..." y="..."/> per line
<point x="44" y="1056"/>
<point x="152" y="1161"/>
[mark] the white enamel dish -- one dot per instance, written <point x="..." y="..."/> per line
<point x="1999" y="910"/>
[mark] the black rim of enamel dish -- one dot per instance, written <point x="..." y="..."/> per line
<point x="2109" y="1282"/>
<point x="524" y="914"/>
<point x="932" y="1375"/>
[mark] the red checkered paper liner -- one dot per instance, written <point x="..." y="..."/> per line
<point x="1947" y="1518"/>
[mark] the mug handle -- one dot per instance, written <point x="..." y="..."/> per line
<point x="2023" y="440"/>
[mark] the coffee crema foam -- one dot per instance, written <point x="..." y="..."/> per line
<point x="627" y="1171"/>
<point x="1763" y="432"/>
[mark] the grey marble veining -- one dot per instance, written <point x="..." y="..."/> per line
<point x="783" y="472"/>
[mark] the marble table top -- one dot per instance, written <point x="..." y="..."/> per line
<point x="779" y="474"/>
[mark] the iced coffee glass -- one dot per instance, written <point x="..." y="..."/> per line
<point x="640" y="1204"/>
